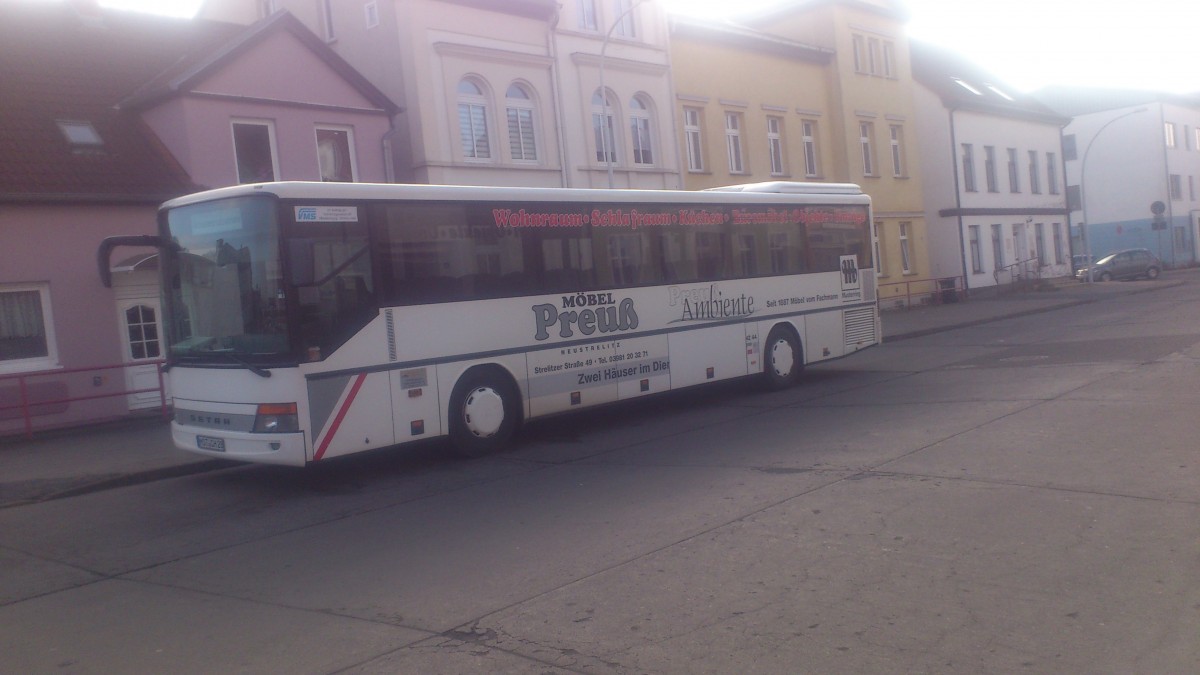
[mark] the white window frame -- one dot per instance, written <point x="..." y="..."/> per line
<point x="889" y="59"/>
<point x="587" y="15"/>
<point x="469" y="103"/>
<point x="1035" y="174"/>
<point x="625" y="23"/>
<point x="968" y="168"/>
<point x="998" y="246"/>
<point x="520" y="115"/>
<point x="775" y="144"/>
<point x="1052" y="172"/>
<point x="1059" y="258"/>
<point x="812" y="166"/>
<point x="866" y="130"/>
<point x="371" y="10"/>
<point x="873" y="56"/>
<point x="274" y="148"/>
<point x="976" y="250"/>
<point x="896" y="131"/>
<point x="50" y="360"/>
<point x="905" y="251"/>
<point x="349" y="131"/>
<point x="605" y="110"/>
<point x="733" y="142"/>
<point x="1014" y="172"/>
<point x="989" y="168"/>
<point x="1169" y="130"/>
<point x="859" y="48"/>
<point x="641" y="130"/>
<point x="693" y="133"/>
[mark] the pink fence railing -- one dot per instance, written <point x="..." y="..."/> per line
<point x="30" y="406"/>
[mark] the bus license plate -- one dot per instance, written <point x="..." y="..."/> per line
<point x="210" y="443"/>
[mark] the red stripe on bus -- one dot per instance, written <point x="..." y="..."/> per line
<point x="341" y="415"/>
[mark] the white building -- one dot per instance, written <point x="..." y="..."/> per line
<point x="993" y="175"/>
<point x="507" y="92"/>
<point x="1125" y="151"/>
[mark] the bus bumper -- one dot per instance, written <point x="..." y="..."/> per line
<point x="284" y="449"/>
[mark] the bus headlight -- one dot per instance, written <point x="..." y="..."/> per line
<point x="276" y="418"/>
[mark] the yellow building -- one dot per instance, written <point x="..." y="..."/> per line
<point x="811" y="91"/>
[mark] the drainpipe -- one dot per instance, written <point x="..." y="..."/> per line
<point x="962" y="246"/>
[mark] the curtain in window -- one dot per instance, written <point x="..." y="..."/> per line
<point x="22" y="329"/>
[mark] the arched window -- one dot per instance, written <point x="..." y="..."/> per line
<point x="472" y="120"/>
<point x="639" y="129"/>
<point x="521" y="136"/>
<point x="603" y="128"/>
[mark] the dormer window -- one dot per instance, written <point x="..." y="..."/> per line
<point x="81" y="135"/>
<point x="968" y="87"/>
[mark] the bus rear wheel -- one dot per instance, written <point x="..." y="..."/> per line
<point x="783" y="359"/>
<point x="485" y="412"/>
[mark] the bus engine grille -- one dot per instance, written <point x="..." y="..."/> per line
<point x="859" y="326"/>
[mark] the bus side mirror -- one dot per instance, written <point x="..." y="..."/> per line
<point x="104" y="253"/>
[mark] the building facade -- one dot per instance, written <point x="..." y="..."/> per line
<point x="117" y="113"/>
<point x="1125" y="152"/>
<point x="818" y="90"/>
<point x="993" y="175"/>
<point x="508" y="92"/>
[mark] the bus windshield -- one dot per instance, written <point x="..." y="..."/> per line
<point x="225" y="289"/>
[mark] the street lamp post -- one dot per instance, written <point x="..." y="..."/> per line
<point x="1087" y="224"/>
<point x="605" y="120"/>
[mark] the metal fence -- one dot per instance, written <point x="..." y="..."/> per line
<point x="43" y="399"/>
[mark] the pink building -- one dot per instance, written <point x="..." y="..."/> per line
<point x="106" y="114"/>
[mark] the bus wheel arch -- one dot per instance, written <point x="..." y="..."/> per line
<point x="485" y="410"/>
<point x="783" y="357"/>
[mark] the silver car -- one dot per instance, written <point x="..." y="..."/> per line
<point x="1128" y="264"/>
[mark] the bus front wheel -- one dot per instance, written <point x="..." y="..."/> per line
<point x="783" y="359"/>
<point x="485" y="412"/>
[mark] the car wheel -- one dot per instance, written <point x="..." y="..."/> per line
<point x="485" y="411"/>
<point x="783" y="359"/>
<point x="1152" y="273"/>
<point x="1106" y="276"/>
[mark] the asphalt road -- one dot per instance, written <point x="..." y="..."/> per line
<point x="1020" y="496"/>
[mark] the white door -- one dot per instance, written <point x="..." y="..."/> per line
<point x="142" y="337"/>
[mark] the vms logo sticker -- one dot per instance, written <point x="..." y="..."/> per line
<point x="306" y="213"/>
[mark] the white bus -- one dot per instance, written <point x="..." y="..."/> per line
<point x="311" y="320"/>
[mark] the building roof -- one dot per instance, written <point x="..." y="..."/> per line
<point x="1075" y="101"/>
<point x="895" y="9"/>
<point x="734" y="35"/>
<point x="63" y="71"/>
<point x="76" y="79"/>
<point x="962" y="85"/>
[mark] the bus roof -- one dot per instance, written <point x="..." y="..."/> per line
<point x="834" y="193"/>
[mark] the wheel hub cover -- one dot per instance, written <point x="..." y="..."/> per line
<point x="781" y="357"/>
<point x="483" y="411"/>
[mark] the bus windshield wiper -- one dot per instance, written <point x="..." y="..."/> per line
<point x="261" y="372"/>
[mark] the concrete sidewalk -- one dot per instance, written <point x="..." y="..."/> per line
<point x="57" y="464"/>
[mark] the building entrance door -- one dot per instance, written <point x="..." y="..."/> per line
<point x="142" y="337"/>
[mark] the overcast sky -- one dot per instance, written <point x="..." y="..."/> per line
<point x="1143" y="44"/>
